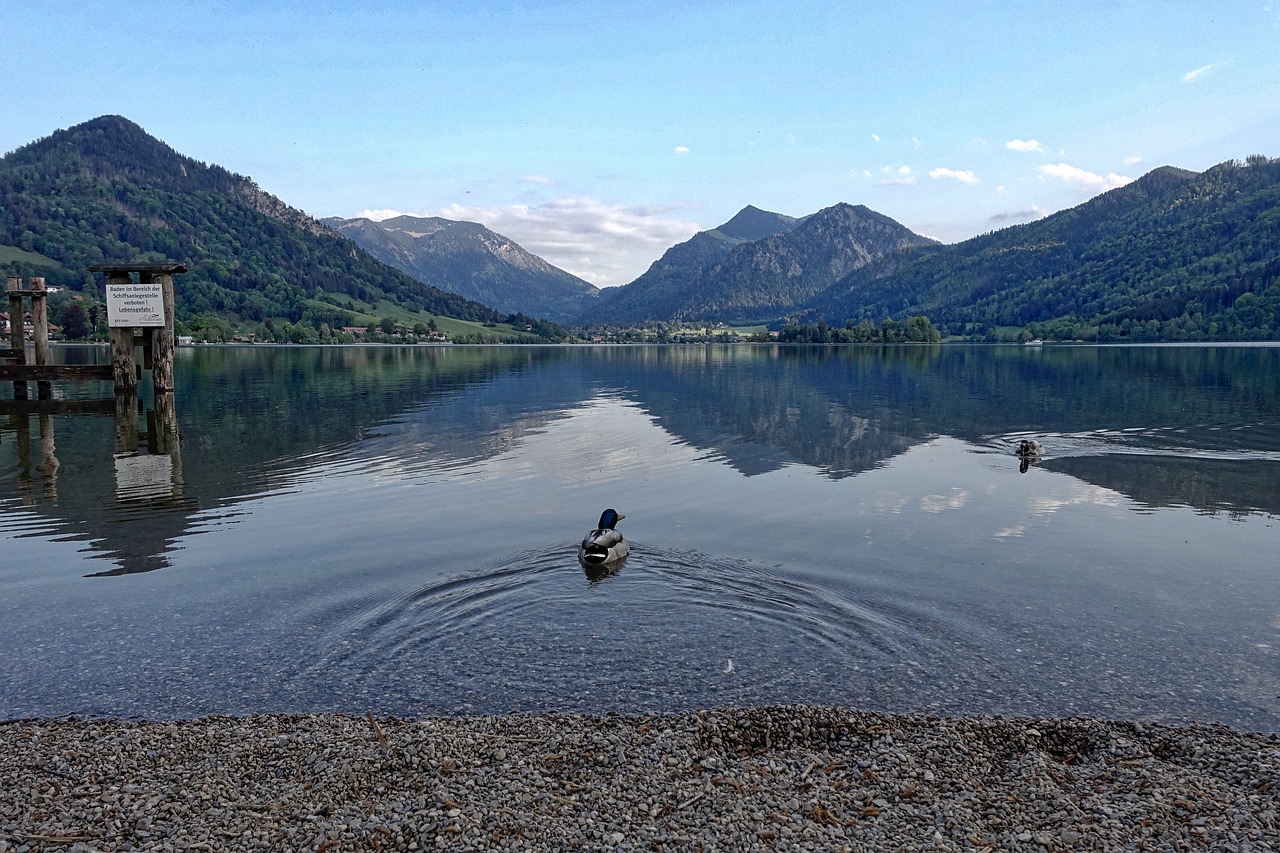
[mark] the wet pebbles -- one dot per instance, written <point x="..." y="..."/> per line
<point x="786" y="778"/>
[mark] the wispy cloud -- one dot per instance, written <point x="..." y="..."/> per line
<point x="1084" y="180"/>
<point x="1015" y="216"/>
<point x="1132" y="161"/>
<point x="1026" y="145"/>
<point x="1193" y="76"/>
<point x="899" y="177"/>
<point x="680" y="149"/>
<point x="606" y="244"/>
<point x="964" y="177"/>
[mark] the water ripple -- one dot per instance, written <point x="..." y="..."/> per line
<point x="670" y="629"/>
<point x="1186" y="442"/>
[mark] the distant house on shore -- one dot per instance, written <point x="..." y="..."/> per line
<point x="28" y="327"/>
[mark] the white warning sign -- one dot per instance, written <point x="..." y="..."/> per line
<point x="130" y="305"/>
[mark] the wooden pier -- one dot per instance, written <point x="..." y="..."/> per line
<point x="139" y="314"/>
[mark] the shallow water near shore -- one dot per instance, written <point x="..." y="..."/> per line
<point x="394" y="530"/>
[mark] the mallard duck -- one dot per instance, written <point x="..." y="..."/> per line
<point x="1030" y="447"/>
<point x="604" y="544"/>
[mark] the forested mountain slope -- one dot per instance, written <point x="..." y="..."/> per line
<point x="106" y="191"/>
<point x="1174" y="255"/>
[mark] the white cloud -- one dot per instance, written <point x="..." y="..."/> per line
<point x="606" y="244"/>
<point x="875" y="137"/>
<point x="385" y="213"/>
<point x="899" y="177"/>
<point x="1084" y="180"/>
<point x="957" y="499"/>
<point x="1193" y="76"/>
<point x="1132" y="161"/>
<point x="1026" y="145"/>
<point x="964" y="177"/>
<point x="1013" y="217"/>
<point x="680" y="149"/>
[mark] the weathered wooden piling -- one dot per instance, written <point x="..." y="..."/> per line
<point x="13" y="360"/>
<point x="146" y="306"/>
<point x="40" y="333"/>
<point x="17" y="352"/>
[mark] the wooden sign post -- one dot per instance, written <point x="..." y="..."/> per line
<point x="144" y="306"/>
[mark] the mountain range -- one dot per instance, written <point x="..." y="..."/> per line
<point x="106" y="191"/>
<point x="470" y="260"/>
<point x="1174" y="255"/>
<point x="757" y="266"/>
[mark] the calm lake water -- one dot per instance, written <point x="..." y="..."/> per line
<point x="394" y="530"/>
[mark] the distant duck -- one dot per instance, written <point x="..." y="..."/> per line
<point x="604" y="545"/>
<point x="1030" y="447"/>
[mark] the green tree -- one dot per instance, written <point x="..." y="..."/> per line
<point x="75" y="326"/>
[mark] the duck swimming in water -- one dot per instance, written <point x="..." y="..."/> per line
<point x="604" y="544"/>
<point x="1029" y="450"/>
<point x="1030" y="447"/>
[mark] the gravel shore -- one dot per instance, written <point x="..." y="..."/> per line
<point x="785" y="778"/>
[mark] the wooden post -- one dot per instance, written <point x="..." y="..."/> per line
<point x="162" y="426"/>
<point x="15" y="333"/>
<point x="162" y="339"/>
<point x="40" y="333"/>
<point x="22" y="426"/>
<point x="168" y="439"/>
<point x="126" y="420"/>
<point x="49" y="464"/>
<point x="123" y="369"/>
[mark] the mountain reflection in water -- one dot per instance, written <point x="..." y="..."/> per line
<point x="349" y="482"/>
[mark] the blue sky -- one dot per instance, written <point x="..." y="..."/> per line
<point x="598" y="134"/>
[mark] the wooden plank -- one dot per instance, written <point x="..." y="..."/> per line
<point x="10" y="372"/>
<point x="125" y="269"/>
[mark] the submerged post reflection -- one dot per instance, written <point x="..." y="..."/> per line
<point x="155" y="475"/>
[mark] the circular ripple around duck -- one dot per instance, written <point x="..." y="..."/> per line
<point x="669" y="630"/>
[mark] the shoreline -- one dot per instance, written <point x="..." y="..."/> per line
<point x="786" y="777"/>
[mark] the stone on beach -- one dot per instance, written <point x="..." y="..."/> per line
<point x="793" y="777"/>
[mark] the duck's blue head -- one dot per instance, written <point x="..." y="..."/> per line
<point x="609" y="518"/>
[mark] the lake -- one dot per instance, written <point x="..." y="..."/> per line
<point x="394" y="530"/>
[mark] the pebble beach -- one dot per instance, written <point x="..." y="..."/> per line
<point x="782" y="778"/>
